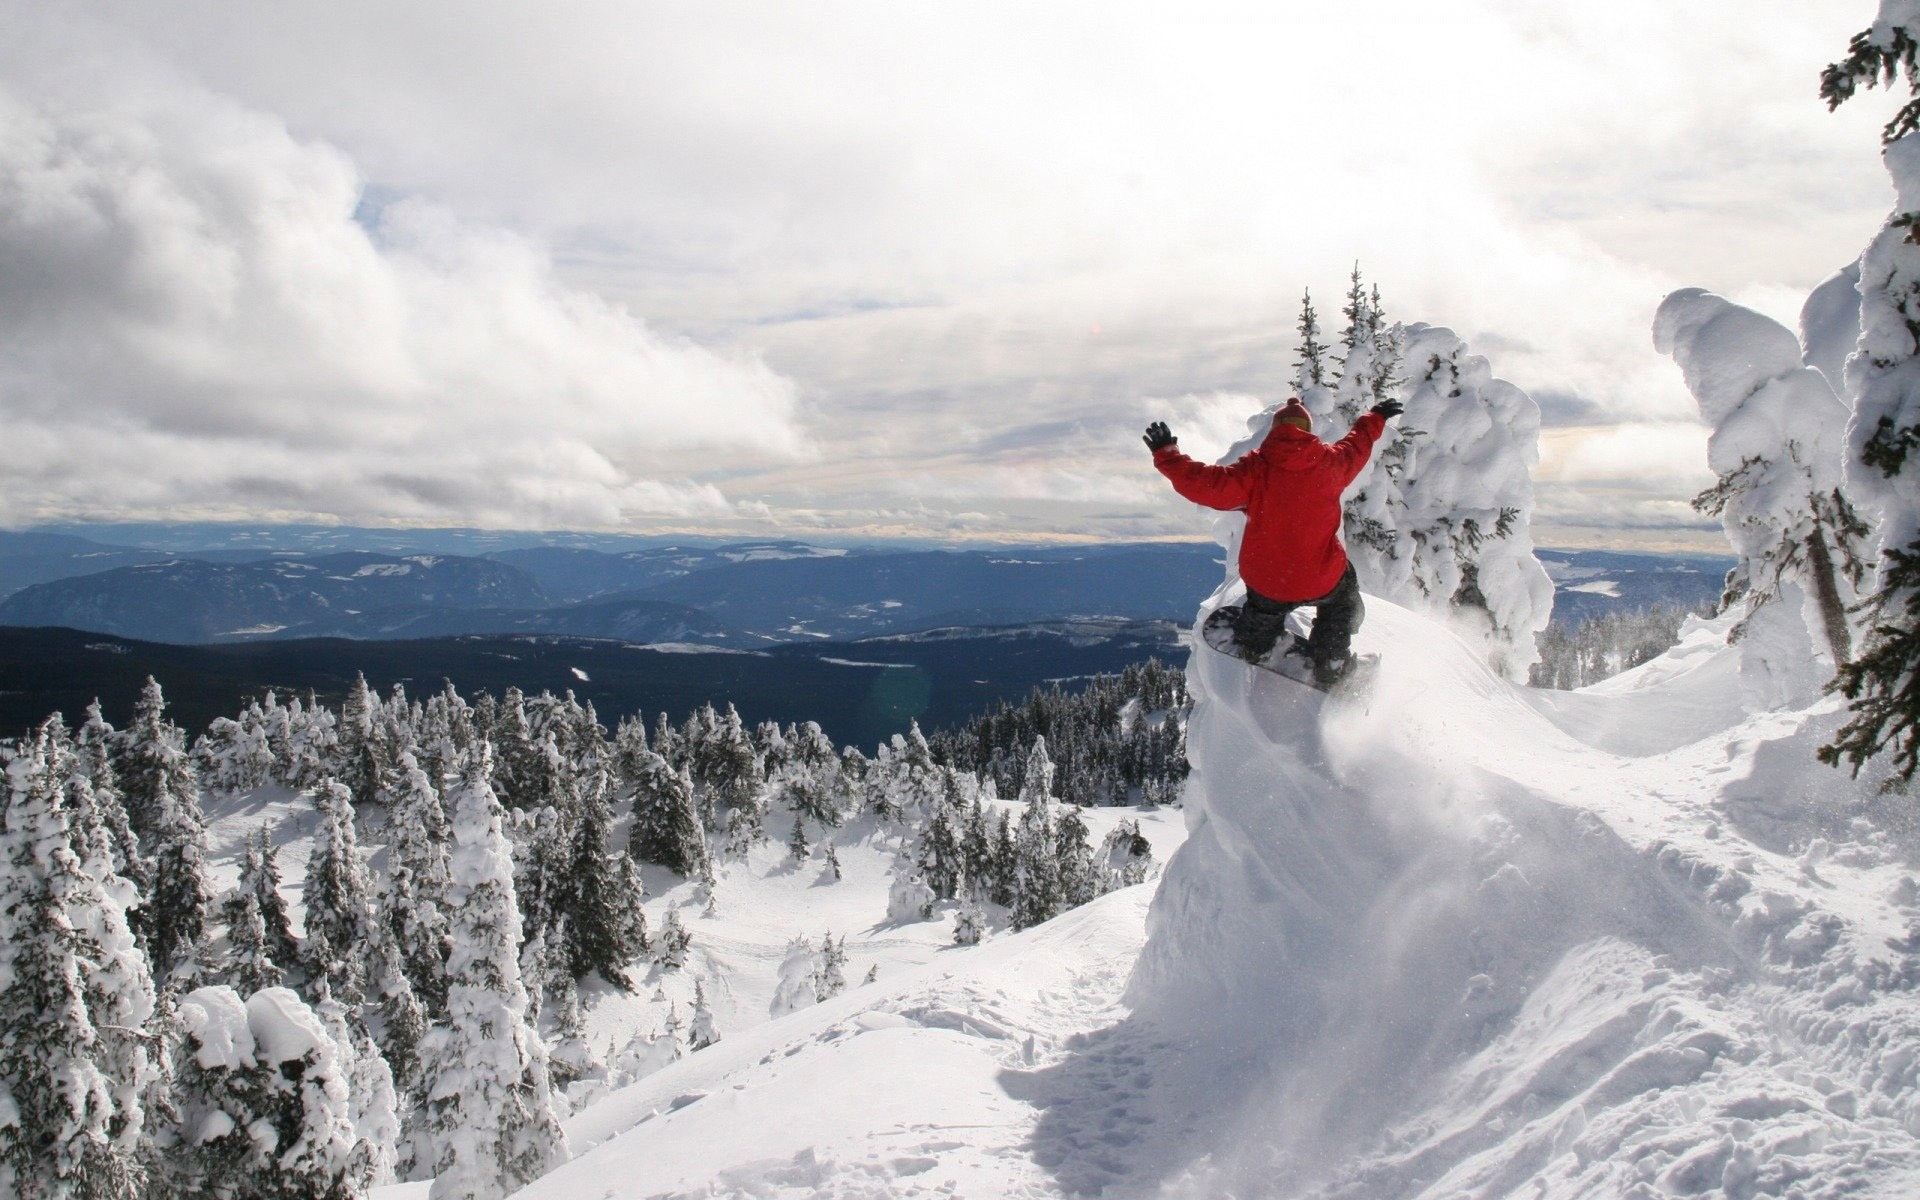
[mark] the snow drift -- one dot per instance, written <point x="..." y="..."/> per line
<point x="1431" y="944"/>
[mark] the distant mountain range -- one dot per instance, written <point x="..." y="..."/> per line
<point x="739" y="594"/>
<point x="240" y="586"/>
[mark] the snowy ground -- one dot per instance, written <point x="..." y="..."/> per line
<point x="1464" y="940"/>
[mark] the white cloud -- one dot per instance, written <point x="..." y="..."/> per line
<point x="192" y="321"/>
<point x="977" y="237"/>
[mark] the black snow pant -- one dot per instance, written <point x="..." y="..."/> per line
<point x="1336" y="617"/>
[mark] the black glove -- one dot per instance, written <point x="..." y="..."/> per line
<point x="1158" y="435"/>
<point x="1388" y="408"/>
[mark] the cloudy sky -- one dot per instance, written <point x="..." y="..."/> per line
<point x="892" y="268"/>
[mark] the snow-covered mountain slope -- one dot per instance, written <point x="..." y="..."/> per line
<point x="1456" y="939"/>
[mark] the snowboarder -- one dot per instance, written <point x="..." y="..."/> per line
<point x="1291" y="553"/>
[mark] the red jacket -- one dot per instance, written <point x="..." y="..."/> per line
<point x="1290" y="490"/>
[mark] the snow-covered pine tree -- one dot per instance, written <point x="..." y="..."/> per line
<point x="1310" y="369"/>
<point x="249" y="966"/>
<point x="799" y="971"/>
<point x="671" y="944"/>
<point x="488" y="1126"/>
<point x="1458" y="469"/>
<point x="908" y="896"/>
<point x="1777" y="448"/>
<point x="666" y="824"/>
<point x="830" y="972"/>
<point x="1005" y="869"/>
<point x="701" y="1031"/>
<point x="1080" y="880"/>
<point x="1036" y="887"/>
<point x="600" y="931"/>
<point x="261" y="875"/>
<point x="162" y="798"/>
<point x="797" y="847"/>
<point x="398" y="1020"/>
<point x="415" y="885"/>
<point x="93" y="746"/>
<point x="60" y="1101"/>
<point x="264" y="1100"/>
<point x="1882" y="680"/>
<point x="571" y="1059"/>
<point x="1125" y="855"/>
<point x="338" y="898"/>
<point x="969" y="922"/>
<point x="119" y="989"/>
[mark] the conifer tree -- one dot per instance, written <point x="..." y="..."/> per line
<point x="797" y="848"/>
<point x="1080" y="880"/>
<point x="1310" y="369"/>
<point x="265" y="1102"/>
<point x="701" y="1032"/>
<point x="798" y="985"/>
<point x="60" y="1099"/>
<point x="338" y="899"/>
<point x="162" y="800"/>
<point x="969" y="923"/>
<point x="600" y="934"/>
<point x="1036" y="889"/>
<point x="488" y="1126"/>
<point x="1006" y="867"/>
<point x="93" y="746"/>
<point x="1882" y="680"/>
<point x="249" y="965"/>
<point x="666" y="826"/>
<point x="399" y="1019"/>
<point x="670" y="946"/>
<point x="415" y="887"/>
<point x="830" y="977"/>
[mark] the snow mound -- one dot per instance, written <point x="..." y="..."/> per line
<point x="1431" y="943"/>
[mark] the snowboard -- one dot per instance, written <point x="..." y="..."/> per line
<point x="1218" y="633"/>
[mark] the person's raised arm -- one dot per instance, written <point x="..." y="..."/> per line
<point x="1351" y="452"/>
<point x="1216" y="487"/>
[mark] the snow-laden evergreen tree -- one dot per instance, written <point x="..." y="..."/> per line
<point x="604" y="930"/>
<point x="232" y="756"/>
<point x="399" y="1020"/>
<point x="1125" y="856"/>
<point x="1036" y="888"/>
<point x="372" y="1108"/>
<point x="260" y="874"/>
<point x="338" y="896"/>
<point x="1080" y="880"/>
<point x="701" y="1032"/>
<point x="799" y="971"/>
<point x="909" y="898"/>
<point x="571" y="1058"/>
<point x="415" y="884"/>
<point x="249" y="966"/>
<point x="666" y="823"/>
<point x="162" y="798"/>
<point x="1777" y="449"/>
<point x="969" y="923"/>
<point x="488" y="1126"/>
<point x="93" y="745"/>
<point x="830" y="971"/>
<point x="376" y="1114"/>
<point x="1882" y="680"/>
<point x="671" y="944"/>
<point x="264" y="1101"/>
<point x="59" y="1098"/>
<point x="1311" y="368"/>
